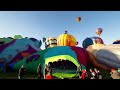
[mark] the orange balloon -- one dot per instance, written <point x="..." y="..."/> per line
<point x="99" y="31"/>
<point x="78" y="19"/>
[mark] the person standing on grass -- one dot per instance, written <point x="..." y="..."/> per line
<point x="39" y="71"/>
<point x="46" y="69"/>
<point x="87" y="75"/>
<point x="49" y="75"/>
<point x="92" y="74"/>
<point x="83" y="74"/>
<point x="21" y="73"/>
<point x="99" y="75"/>
<point x="79" y="72"/>
<point x="96" y="73"/>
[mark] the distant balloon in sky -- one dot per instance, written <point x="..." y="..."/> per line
<point x="78" y="19"/>
<point x="99" y="31"/>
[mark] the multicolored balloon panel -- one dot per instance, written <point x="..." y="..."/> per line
<point x="77" y="55"/>
<point x="17" y="49"/>
<point x="109" y="55"/>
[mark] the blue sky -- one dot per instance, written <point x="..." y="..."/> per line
<point x="40" y="24"/>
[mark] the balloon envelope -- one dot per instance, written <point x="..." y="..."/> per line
<point x="78" y="19"/>
<point x="91" y="41"/>
<point x="116" y="42"/>
<point x="99" y="31"/>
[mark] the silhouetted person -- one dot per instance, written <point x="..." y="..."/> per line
<point x="97" y="74"/>
<point x="79" y="71"/>
<point x="21" y="72"/>
<point x="39" y="71"/>
<point x="87" y="75"/>
<point x="46" y="69"/>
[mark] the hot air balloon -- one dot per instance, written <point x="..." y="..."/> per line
<point x="99" y="31"/>
<point x="66" y="40"/>
<point x="91" y="41"/>
<point x="116" y="42"/>
<point x="78" y="19"/>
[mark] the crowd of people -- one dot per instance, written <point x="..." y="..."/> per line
<point x="47" y="72"/>
<point x="91" y="74"/>
<point x="82" y="73"/>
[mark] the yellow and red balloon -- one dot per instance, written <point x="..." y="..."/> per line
<point x="66" y="40"/>
<point x="78" y="19"/>
<point x="99" y="31"/>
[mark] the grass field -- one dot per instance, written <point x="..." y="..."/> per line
<point x="14" y="75"/>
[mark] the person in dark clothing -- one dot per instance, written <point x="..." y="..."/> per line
<point x="21" y="72"/>
<point x="97" y="74"/>
<point x="39" y="71"/>
<point x="87" y="75"/>
<point x="79" y="72"/>
<point x="5" y="64"/>
<point x="49" y="68"/>
<point x="5" y="67"/>
<point x="46" y="69"/>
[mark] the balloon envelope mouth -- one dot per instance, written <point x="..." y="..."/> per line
<point x="64" y="67"/>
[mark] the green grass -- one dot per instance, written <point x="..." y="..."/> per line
<point x="58" y="74"/>
<point x="14" y="75"/>
<point x="65" y="75"/>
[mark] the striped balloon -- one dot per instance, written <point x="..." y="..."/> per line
<point x="66" y="40"/>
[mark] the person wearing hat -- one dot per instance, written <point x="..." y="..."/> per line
<point x="39" y="71"/>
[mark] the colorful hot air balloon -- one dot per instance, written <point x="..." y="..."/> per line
<point x="66" y="40"/>
<point x="116" y="42"/>
<point x="78" y="19"/>
<point x="91" y="41"/>
<point x="99" y="31"/>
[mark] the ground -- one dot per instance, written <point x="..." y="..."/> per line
<point x="14" y="75"/>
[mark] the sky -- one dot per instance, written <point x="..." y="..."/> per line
<point x="39" y="24"/>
